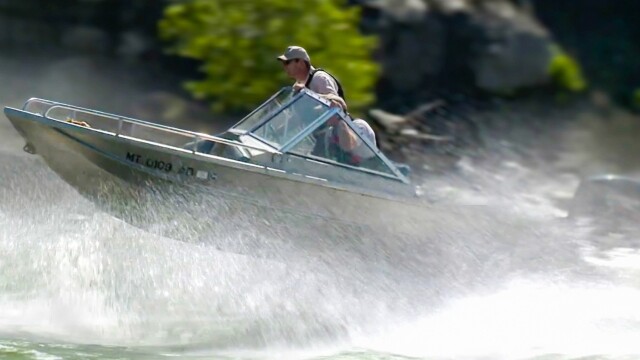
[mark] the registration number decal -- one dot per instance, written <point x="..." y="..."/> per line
<point x="167" y="166"/>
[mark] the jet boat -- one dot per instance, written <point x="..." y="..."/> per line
<point x="282" y="155"/>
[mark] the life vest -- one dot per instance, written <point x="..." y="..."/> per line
<point x="340" y="90"/>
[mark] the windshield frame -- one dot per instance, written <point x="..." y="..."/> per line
<point x="393" y="176"/>
<point x="336" y="111"/>
<point x="286" y="147"/>
<point x="308" y="129"/>
<point x="270" y="116"/>
<point x="235" y="128"/>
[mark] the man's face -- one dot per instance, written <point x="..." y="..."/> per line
<point x="291" y="67"/>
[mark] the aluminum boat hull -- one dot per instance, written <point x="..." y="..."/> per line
<point x="115" y="171"/>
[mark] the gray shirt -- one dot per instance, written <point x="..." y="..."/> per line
<point x="323" y="83"/>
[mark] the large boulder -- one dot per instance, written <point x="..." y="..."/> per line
<point x="512" y="49"/>
<point x="603" y="36"/>
<point x="430" y="45"/>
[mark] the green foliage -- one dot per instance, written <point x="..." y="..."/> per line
<point x="565" y="72"/>
<point x="635" y="99"/>
<point x="238" y="42"/>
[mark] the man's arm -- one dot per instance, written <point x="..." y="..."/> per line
<point x="347" y="139"/>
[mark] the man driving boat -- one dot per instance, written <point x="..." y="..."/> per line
<point x="297" y="64"/>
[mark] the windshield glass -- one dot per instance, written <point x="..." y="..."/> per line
<point x="336" y="141"/>
<point x="291" y="121"/>
<point x="265" y="109"/>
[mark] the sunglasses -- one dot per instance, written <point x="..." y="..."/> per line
<point x="287" y="62"/>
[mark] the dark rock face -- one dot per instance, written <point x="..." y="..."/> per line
<point x="430" y="46"/>
<point x="513" y="51"/>
<point x="603" y="35"/>
<point x="427" y="46"/>
<point x="83" y="27"/>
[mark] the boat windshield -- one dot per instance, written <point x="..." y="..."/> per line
<point x="291" y="120"/>
<point x="339" y="139"/>
<point x="273" y="104"/>
<point x="304" y="124"/>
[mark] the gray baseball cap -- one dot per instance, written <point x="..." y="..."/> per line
<point x="295" y="52"/>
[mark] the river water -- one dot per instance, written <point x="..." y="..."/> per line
<point x="77" y="283"/>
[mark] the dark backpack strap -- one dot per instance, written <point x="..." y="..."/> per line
<point x="340" y="90"/>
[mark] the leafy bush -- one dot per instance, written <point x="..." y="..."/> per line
<point x="565" y="72"/>
<point x="238" y="42"/>
<point x="635" y="99"/>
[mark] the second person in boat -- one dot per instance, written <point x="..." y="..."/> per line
<point x="339" y="142"/>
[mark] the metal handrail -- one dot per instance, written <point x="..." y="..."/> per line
<point x="201" y="136"/>
<point x="123" y="119"/>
